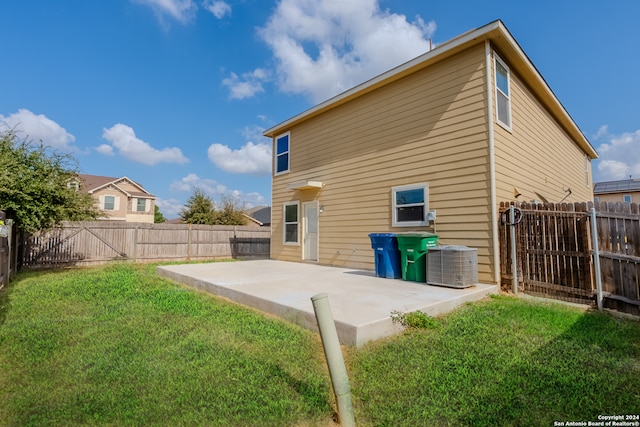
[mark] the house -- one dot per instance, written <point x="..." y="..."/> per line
<point x="121" y="199"/>
<point x="626" y="191"/>
<point x="453" y="132"/>
<point x="260" y="216"/>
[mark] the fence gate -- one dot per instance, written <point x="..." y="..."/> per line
<point x="553" y="251"/>
<point x="70" y="245"/>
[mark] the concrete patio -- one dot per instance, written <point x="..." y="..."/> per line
<point x="361" y="303"/>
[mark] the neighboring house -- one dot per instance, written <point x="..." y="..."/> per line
<point x="453" y="131"/>
<point x="259" y="216"/>
<point x="121" y="199"/>
<point x="626" y="191"/>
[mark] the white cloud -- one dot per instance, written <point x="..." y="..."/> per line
<point x="193" y="181"/>
<point x="247" y="200"/>
<point x="124" y="140"/>
<point x="253" y="133"/>
<point x="251" y="158"/>
<point x="39" y="127"/>
<point x="105" y="149"/>
<point x="170" y="208"/>
<point x="246" y="86"/>
<point x="181" y="10"/>
<point x="218" y="8"/>
<point x="324" y="47"/>
<point x="619" y="155"/>
<point x="215" y="190"/>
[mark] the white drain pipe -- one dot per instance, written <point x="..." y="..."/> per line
<point x="337" y="368"/>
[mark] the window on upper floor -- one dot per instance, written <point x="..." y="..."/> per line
<point x="410" y="204"/>
<point x="109" y="203"/>
<point x="596" y="199"/>
<point x="291" y="216"/>
<point x="503" y="93"/>
<point x="586" y="169"/>
<point x="141" y="205"/>
<point x="626" y="198"/>
<point x="282" y="154"/>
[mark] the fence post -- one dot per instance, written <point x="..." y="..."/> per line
<point x="514" y="261"/>
<point x="596" y="256"/>
<point x="189" y="243"/>
<point x="135" y="244"/>
<point x="335" y="360"/>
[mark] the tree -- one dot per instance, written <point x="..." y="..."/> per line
<point x="229" y="213"/>
<point x="200" y="209"/>
<point x="34" y="185"/>
<point x="157" y="215"/>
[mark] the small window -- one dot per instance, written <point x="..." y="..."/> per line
<point x="503" y="94"/>
<point x="109" y="203"/>
<point x="626" y="198"/>
<point x="596" y="199"/>
<point x="73" y="185"/>
<point x="291" y="223"/>
<point x="410" y="205"/>
<point x="142" y="205"/>
<point x="282" y="154"/>
<point x="586" y="169"/>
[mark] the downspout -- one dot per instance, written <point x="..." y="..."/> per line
<point x="492" y="166"/>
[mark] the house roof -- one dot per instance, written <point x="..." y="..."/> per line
<point x="623" y="186"/>
<point x="92" y="183"/>
<point x="500" y="37"/>
<point x="260" y="214"/>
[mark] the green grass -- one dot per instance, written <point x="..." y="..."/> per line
<point x="121" y="346"/>
<point x="501" y="362"/>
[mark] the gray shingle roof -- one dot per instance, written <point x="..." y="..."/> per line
<point x="626" y="185"/>
<point x="261" y="214"/>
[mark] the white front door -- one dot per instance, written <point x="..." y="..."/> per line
<point x="310" y="231"/>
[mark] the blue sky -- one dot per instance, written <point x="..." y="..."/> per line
<point x="175" y="94"/>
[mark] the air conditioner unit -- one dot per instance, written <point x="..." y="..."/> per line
<point x="452" y="266"/>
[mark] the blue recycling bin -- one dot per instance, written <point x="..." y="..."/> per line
<point x="387" y="255"/>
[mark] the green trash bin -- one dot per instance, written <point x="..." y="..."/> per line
<point x="413" y="254"/>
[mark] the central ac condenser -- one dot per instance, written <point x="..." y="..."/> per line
<point x="452" y="266"/>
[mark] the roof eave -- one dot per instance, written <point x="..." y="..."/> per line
<point x="501" y="38"/>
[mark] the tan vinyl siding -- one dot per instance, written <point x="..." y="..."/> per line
<point x="427" y="127"/>
<point x="619" y="197"/>
<point x="120" y="211"/>
<point x="538" y="155"/>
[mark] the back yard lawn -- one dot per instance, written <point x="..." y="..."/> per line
<point x="119" y="345"/>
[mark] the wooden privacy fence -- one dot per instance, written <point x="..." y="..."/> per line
<point x="99" y="242"/>
<point x="7" y="249"/>
<point x="554" y="252"/>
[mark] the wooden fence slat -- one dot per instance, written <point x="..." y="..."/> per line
<point x="554" y="248"/>
<point x="98" y="242"/>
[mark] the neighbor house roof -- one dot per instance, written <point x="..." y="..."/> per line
<point x="92" y="183"/>
<point x="500" y="37"/>
<point x="260" y="214"/>
<point x="623" y="186"/>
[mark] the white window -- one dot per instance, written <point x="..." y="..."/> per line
<point x="586" y="169"/>
<point x="73" y="185"/>
<point x="503" y="93"/>
<point x="109" y="203"/>
<point x="291" y="215"/>
<point x="410" y="204"/>
<point x="141" y="206"/>
<point x="626" y="198"/>
<point x="282" y="154"/>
